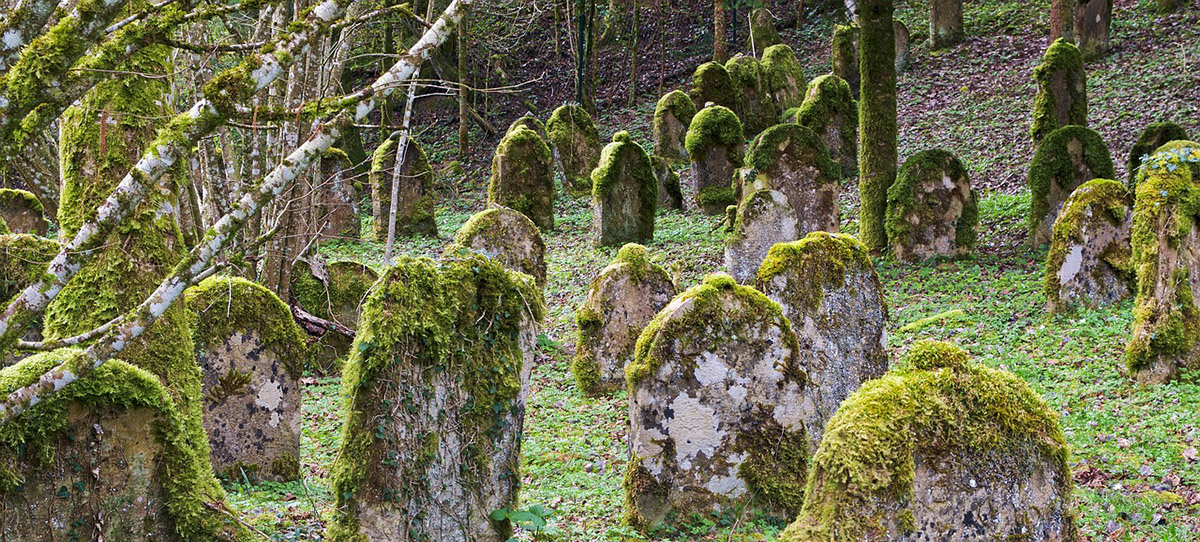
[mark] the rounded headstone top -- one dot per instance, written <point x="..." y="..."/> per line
<point x="713" y="126"/>
<point x="821" y="256"/>
<point x="678" y="104"/>
<point x="224" y="305"/>
<point x="926" y="355"/>
<point x="621" y="137"/>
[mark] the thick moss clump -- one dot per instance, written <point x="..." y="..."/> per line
<point x="529" y="122"/>
<point x="415" y="207"/>
<point x="623" y="181"/>
<point x="224" y="305"/>
<point x="784" y="76"/>
<point x="1099" y="197"/>
<point x="755" y="105"/>
<point x="1173" y="154"/>
<point x="878" y="131"/>
<point x="672" y="116"/>
<point x="764" y="152"/>
<point x="844" y="50"/>
<point x="1054" y="173"/>
<point x="522" y="178"/>
<point x="1154" y="136"/>
<point x="822" y="257"/>
<point x="576" y="146"/>
<point x="21" y="211"/>
<point x="936" y="404"/>
<point x="1062" y="91"/>
<point x="715" y="127"/>
<point x="829" y="109"/>
<point x="711" y="83"/>
<point x="23" y="260"/>
<point x="910" y="194"/>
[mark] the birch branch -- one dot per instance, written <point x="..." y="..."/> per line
<point x="397" y="168"/>
<point x="24" y="21"/>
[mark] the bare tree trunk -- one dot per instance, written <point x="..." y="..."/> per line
<point x="464" y="129"/>
<point x="633" y="54"/>
<point x="720" y="49"/>
<point x="945" y="23"/>
<point x="1061" y="20"/>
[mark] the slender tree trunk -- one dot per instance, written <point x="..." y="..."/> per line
<point x="1062" y="23"/>
<point x="633" y="54"/>
<point x="464" y="117"/>
<point x="878" y="131"/>
<point x="720" y="50"/>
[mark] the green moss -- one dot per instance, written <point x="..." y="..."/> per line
<point x="23" y="260"/>
<point x="784" y="76"/>
<point x="625" y="157"/>
<point x="522" y="179"/>
<point x="805" y="145"/>
<point x="844" y="55"/>
<point x="670" y="193"/>
<point x="1052" y="162"/>
<point x="223" y="306"/>
<point x="933" y="164"/>
<point x="711" y="83"/>
<point x="822" y="258"/>
<point x="1154" y="136"/>
<point x="1096" y="198"/>
<point x="1170" y="156"/>
<point x="286" y="467"/>
<point x="338" y="298"/>
<point x="678" y="105"/>
<point x="877" y="125"/>
<point x="717" y="196"/>
<point x="755" y="105"/>
<point x="576" y="145"/>
<point x="714" y="127"/>
<point x="762" y="29"/>
<point x="489" y="226"/>
<point x="20" y="199"/>
<point x="529" y="122"/>
<point x="1062" y="57"/>
<point x="414" y="219"/>
<point x="927" y="355"/>
<point x="776" y="463"/>
<point x="827" y="101"/>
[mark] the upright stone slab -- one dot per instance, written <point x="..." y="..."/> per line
<point x="624" y="194"/>
<point x="716" y="426"/>
<point x="1062" y="91"/>
<point x="711" y="83"/>
<point x="756" y="106"/>
<point x="672" y="116"/>
<point x="1069" y="157"/>
<point x="1089" y="263"/>
<point x="844" y="52"/>
<point x="576" y="146"/>
<point x="670" y="196"/>
<point x="945" y="23"/>
<point x="508" y="237"/>
<point x="415" y="204"/>
<point x="785" y="77"/>
<point x="762" y="31"/>
<point x="336" y="204"/>
<point x="829" y="110"/>
<point x="1092" y="21"/>
<point x="763" y="219"/>
<point x="931" y="209"/>
<point x="903" y="45"/>
<point x="715" y="146"/>
<point x="252" y="356"/>
<point x="22" y="212"/>
<point x="1154" y="136"/>
<point x="435" y="403"/>
<point x="622" y="299"/>
<point x="522" y="179"/>
<point x="533" y="124"/>
<point x="829" y="290"/>
<point x="792" y="159"/>
<point x="334" y="291"/>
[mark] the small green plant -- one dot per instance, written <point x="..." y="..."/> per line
<point x="534" y="519"/>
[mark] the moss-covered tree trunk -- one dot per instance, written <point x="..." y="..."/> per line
<point x="945" y="23"/>
<point x="877" y="126"/>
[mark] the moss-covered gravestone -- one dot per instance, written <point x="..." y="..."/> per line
<point x="756" y="105"/>
<point x="711" y="83"/>
<point x="22" y="212"/>
<point x="624" y="194"/>
<point x="670" y="196"/>
<point x="522" y="178"/>
<point x="829" y="110"/>
<point x="945" y="23"/>
<point x="931" y="209"/>
<point x="763" y="218"/>
<point x="337" y="199"/>
<point x="333" y="291"/>
<point x="1092" y="23"/>
<point x="784" y="76"/>
<point x="576" y="146"/>
<point x="507" y="236"/>
<point x="844" y="52"/>
<point x="415" y="204"/>
<point x="435" y="403"/>
<point x="252" y="357"/>
<point x="533" y="124"/>
<point x="939" y="449"/>
<point x="762" y="31"/>
<point x="1062" y="91"/>
<point x="1067" y="158"/>
<point x="1089" y="263"/>
<point x="1181" y="153"/>
<point x="622" y="299"/>
<point x="715" y="145"/>
<point x="792" y="159"/>
<point x="829" y="290"/>
<point x="903" y="39"/>
<point x="716" y="427"/>
<point x="1154" y="136"/>
<point x="672" y="116"/>
<point x="1165" y="240"/>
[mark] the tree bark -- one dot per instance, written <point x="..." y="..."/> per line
<point x="945" y="23"/>
<point x="878" y="130"/>
<point x="720" y="47"/>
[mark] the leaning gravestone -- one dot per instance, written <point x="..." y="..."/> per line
<point x="844" y="51"/>
<point x="1089" y="263"/>
<point x="792" y="159"/>
<point x="763" y="219"/>
<point x="22" y="212"/>
<point x="1154" y="136"/>
<point x="762" y="31"/>
<point x="1062" y="91"/>
<point x="333" y="291"/>
<point x="714" y="404"/>
<point x="714" y="144"/>
<point x="902" y="45"/>
<point x="624" y="194"/>
<point x="522" y="179"/>
<point x="755" y="104"/>
<point x="941" y="449"/>
<point x="435" y="403"/>
<point x="672" y="116"/>
<point x="784" y="76"/>
<point x="829" y="290"/>
<point x="670" y="196"/>
<point x="711" y="83"/>
<point x="620" y="302"/>
<point x="576" y="146"/>
<point x="931" y="209"/>
<point x="1067" y="158"/>
<point x="251" y="355"/>
<point x="507" y="236"/>
<point x="415" y="204"/>
<point x="829" y="110"/>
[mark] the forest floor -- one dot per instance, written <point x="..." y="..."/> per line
<point x="1134" y="458"/>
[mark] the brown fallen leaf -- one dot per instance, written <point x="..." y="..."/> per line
<point x="1189" y="453"/>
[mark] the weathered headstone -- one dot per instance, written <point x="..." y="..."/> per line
<point x="337" y="205"/>
<point x="1092" y="21"/>
<point x="415" y="204"/>
<point x="792" y="159"/>
<point x="755" y="104"/>
<point x="576" y="145"/>
<point x="762" y="31"/>
<point x="624" y="194"/>
<point x="716" y="426"/>
<point x="711" y="83"/>
<point x="715" y="146"/>
<point x="1182" y="153"/>
<point x="903" y="39"/>
<point x="785" y="77"/>
<point x="333" y="291"/>
<point x="672" y="116"/>
<point x="1154" y="136"/>
<point x="844" y="51"/>
<point x="1062" y="91"/>
<point x="829" y="110"/>
<point x="622" y="299"/>
<point x="931" y="209"/>
<point x="522" y="178"/>
<point x="533" y="124"/>
<point x="829" y="290"/>
<point x="435" y="403"/>
<point x="941" y="449"/>
<point x="1067" y="158"/>
<point x="507" y="236"/>
<point x="22" y="212"/>
<point x="763" y="219"/>
<point x="1089" y="263"/>
<point x="670" y="196"/>
<point x="251" y="354"/>
<point x="945" y="23"/>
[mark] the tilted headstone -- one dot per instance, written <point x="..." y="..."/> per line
<point x="251" y="355"/>
<point x="522" y="178"/>
<point x="844" y="52"/>
<point x="333" y="291"/>
<point x="903" y="38"/>
<point x="755" y="103"/>
<point x="829" y="110"/>
<point x="22" y="212"/>
<point x="622" y="299"/>
<point x="829" y="290"/>
<point x="1154" y="136"/>
<point x="762" y="31"/>
<point x="792" y="159"/>
<point x="435" y="403"/>
<point x="711" y="83"/>
<point x="337" y="198"/>
<point x="940" y="450"/>
<point x="715" y="146"/>
<point x="764" y="218"/>
<point x="624" y="194"/>
<point x="1089" y="262"/>
<point x="1062" y="91"/>
<point x="507" y="236"/>
<point x="670" y="195"/>
<point x="576" y="145"/>
<point x="945" y="23"/>
<point x="784" y="76"/>
<point x="672" y="116"/>
<point x="1067" y="158"/>
<point x="415" y="204"/>
<point x="716" y="425"/>
<point x="931" y="209"/>
<point x="533" y="124"/>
